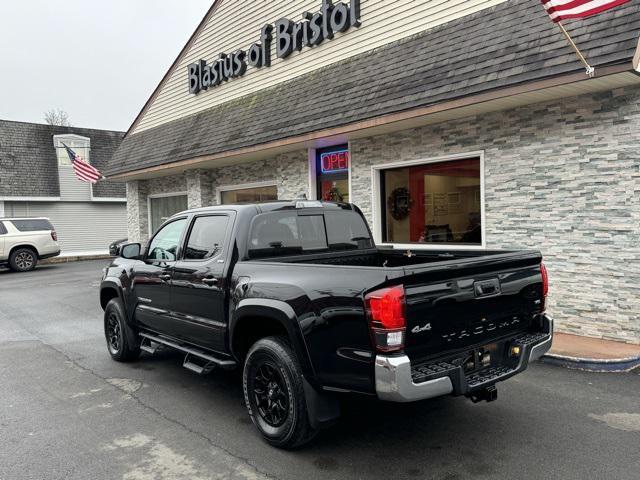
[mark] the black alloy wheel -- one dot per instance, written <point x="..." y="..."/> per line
<point x="272" y="382"/>
<point x="114" y="334"/>
<point x="271" y="394"/>
<point x="123" y="342"/>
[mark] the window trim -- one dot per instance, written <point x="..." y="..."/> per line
<point x="376" y="187"/>
<point x="161" y="195"/>
<point x="192" y="223"/>
<point x="59" y="139"/>
<point x="243" y="186"/>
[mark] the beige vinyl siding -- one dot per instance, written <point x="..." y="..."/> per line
<point x="72" y="189"/>
<point x="236" y="24"/>
<point x="81" y="227"/>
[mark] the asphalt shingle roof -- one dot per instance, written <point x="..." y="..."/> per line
<point x="507" y="45"/>
<point x="28" y="162"/>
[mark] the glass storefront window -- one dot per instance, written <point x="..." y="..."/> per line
<point x="332" y="173"/>
<point x="433" y="203"/>
<point x="249" y="195"/>
<point x="161" y="208"/>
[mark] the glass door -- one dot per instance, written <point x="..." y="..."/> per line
<point x="332" y="173"/>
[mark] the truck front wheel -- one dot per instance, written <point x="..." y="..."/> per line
<point x="274" y="393"/>
<point x="122" y="341"/>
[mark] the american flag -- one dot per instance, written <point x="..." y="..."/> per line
<point x="564" y="9"/>
<point x="82" y="169"/>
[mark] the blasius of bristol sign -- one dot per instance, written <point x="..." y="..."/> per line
<point x="289" y="36"/>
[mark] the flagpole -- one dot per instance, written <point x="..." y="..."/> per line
<point x="590" y="70"/>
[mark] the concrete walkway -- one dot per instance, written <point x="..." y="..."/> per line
<point x="593" y="354"/>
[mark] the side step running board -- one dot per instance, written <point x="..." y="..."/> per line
<point x="195" y="360"/>
<point x="147" y="345"/>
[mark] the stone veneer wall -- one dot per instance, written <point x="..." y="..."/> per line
<point x="562" y="177"/>
<point x="289" y="171"/>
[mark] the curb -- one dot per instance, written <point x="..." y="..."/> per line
<point x="615" y="365"/>
<point x="75" y="258"/>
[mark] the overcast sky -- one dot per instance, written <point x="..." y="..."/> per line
<point x="98" y="60"/>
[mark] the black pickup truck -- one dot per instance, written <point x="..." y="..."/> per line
<point x="297" y="295"/>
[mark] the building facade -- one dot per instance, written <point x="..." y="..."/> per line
<point x="37" y="180"/>
<point x="466" y="124"/>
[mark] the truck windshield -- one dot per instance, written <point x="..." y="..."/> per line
<point x="290" y="232"/>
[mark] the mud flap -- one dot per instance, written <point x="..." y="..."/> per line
<point x="323" y="409"/>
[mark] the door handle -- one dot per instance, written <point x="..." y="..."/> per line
<point x="165" y="277"/>
<point x="210" y="281"/>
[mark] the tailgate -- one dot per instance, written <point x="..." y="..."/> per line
<point x="463" y="303"/>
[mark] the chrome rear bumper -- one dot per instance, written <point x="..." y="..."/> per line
<point x="395" y="384"/>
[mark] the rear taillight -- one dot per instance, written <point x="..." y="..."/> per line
<point x="545" y="286"/>
<point x="385" y="309"/>
<point x="54" y="236"/>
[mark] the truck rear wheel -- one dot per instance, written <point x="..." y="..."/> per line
<point x="122" y="342"/>
<point x="274" y="393"/>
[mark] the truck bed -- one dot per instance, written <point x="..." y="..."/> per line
<point x="445" y="313"/>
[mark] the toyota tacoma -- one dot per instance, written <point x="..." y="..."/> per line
<point x="297" y="295"/>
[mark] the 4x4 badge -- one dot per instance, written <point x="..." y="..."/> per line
<point x="418" y="329"/>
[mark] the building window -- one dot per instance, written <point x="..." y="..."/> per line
<point x="80" y="145"/>
<point x="251" y="193"/>
<point x="161" y="208"/>
<point x="332" y="173"/>
<point x="434" y="203"/>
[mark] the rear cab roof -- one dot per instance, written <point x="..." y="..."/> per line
<point x="270" y="206"/>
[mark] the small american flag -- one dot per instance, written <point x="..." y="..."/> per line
<point x="564" y="9"/>
<point x="82" y="169"/>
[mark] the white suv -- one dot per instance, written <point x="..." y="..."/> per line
<point x="24" y="241"/>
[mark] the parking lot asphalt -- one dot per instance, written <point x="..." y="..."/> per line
<point x="67" y="411"/>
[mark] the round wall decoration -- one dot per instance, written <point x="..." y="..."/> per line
<point x="400" y="203"/>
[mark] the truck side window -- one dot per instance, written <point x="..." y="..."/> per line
<point x="206" y="237"/>
<point x="3" y="229"/>
<point x="287" y="232"/>
<point x="347" y="230"/>
<point x="164" y="245"/>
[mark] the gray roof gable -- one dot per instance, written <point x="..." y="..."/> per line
<point x="503" y="46"/>
<point x="28" y="162"/>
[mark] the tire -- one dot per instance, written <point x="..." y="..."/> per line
<point x="23" y="259"/>
<point x="122" y="341"/>
<point x="272" y="378"/>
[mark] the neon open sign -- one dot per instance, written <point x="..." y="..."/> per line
<point x="334" y="161"/>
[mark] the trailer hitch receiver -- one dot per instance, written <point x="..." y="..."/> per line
<point x="488" y="394"/>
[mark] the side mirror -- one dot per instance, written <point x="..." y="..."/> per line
<point x="131" y="251"/>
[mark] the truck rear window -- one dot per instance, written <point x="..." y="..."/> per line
<point x="291" y="232"/>
<point x="32" y="225"/>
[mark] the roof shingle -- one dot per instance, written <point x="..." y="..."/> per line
<point x="507" y="45"/>
<point x="28" y="162"/>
